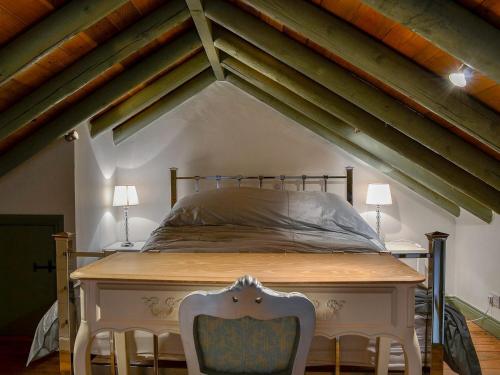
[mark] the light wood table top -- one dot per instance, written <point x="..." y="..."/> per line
<point x="276" y="268"/>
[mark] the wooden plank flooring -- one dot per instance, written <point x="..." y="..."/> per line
<point x="14" y="352"/>
<point x="487" y="348"/>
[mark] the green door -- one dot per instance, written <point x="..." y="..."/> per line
<point x="27" y="269"/>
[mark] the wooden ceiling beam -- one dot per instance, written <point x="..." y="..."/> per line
<point x="92" y="104"/>
<point x="380" y="150"/>
<point x="373" y="127"/>
<point x="451" y="27"/>
<point x="347" y="146"/>
<point x="380" y="61"/>
<point x="162" y="106"/>
<point x="204" y="28"/>
<point x="365" y="96"/>
<point x="50" y="32"/>
<point x="96" y="62"/>
<point x="150" y="94"/>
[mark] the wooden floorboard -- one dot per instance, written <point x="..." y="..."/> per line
<point x="14" y="352"/>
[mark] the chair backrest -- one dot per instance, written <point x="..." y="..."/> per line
<point x="246" y="328"/>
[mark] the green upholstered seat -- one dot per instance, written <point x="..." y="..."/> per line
<point x="246" y="345"/>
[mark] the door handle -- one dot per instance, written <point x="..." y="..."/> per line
<point x="49" y="267"/>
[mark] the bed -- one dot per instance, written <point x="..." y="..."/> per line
<point x="253" y="219"/>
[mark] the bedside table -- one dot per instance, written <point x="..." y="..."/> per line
<point x="117" y="247"/>
<point x="404" y="250"/>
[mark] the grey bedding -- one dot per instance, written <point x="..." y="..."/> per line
<point x="246" y="219"/>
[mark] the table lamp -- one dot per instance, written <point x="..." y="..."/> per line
<point x="378" y="194"/>
<point x="125" y="196"/>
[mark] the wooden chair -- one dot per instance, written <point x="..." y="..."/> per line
<point x="246" y="329"/>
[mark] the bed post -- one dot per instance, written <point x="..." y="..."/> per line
<point x="348" y="171"/>
<point x="437" y="251"/>
<point x="173" y="186"/>
<point x="66" y="309"/>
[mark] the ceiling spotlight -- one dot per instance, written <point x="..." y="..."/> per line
<point x="71" y="136"/>
<point x="458" y="78"/>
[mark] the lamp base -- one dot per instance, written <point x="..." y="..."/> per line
<point x="127" y="244"/>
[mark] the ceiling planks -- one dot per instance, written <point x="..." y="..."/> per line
<point x="50" y="32"/>
<point x="410" y="44"/>
<point x="450" y="27"/>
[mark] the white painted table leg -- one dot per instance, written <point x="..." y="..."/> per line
<point x="412" y="354"/>
<point x="122" y="359"/>
<point x="383" y="355"/>
<point x="82" y="350"/>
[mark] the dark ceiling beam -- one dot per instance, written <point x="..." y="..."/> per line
<point x="385" y="64"/>
<point x="162" y="106"/>
<point x="50" y="32"/>
<point x="347" y="146"/>
<point x="120" y="113"/>
<point x="145" y="70"/>
<point x="204" y="28"/>
<point x="451" y="27"/>
<point x="373" y="127"/>
<point x="362" y="140"/>
<point x="365" y="96"/>
<point x="95" y="63"/>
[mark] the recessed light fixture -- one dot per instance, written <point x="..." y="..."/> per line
<point x="458" y="78"/>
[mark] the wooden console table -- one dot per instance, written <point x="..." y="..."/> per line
<point x="354" y="294"/>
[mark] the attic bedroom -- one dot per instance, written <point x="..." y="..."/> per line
<point x="250" y="187"/>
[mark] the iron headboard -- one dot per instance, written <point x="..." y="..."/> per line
<point x="282" y="178"/>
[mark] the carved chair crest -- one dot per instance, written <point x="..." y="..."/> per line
<point x="247" y="298"/>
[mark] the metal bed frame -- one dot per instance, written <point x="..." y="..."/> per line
<point x="66" y="257"/>
<point x="261" y="179"/>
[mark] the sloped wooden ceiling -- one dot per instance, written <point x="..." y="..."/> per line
<point x="370" y="76"/>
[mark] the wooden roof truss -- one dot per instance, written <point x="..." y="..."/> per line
<point x="316" y="62"/>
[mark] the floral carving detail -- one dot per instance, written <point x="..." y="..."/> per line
<point x="327" y="310"/>
<point x="161" y="309"/>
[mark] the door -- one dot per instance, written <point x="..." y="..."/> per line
<point x="27" y="270"/>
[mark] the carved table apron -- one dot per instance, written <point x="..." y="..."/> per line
<point x="371" y="309"/>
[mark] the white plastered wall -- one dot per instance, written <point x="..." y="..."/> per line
<point x="42" y="185"/>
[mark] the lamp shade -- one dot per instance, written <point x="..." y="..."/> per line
<point x="125" y="196"/>
<point x="379" y="194"/>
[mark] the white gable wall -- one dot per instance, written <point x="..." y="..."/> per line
<point x="222" y="130"/>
